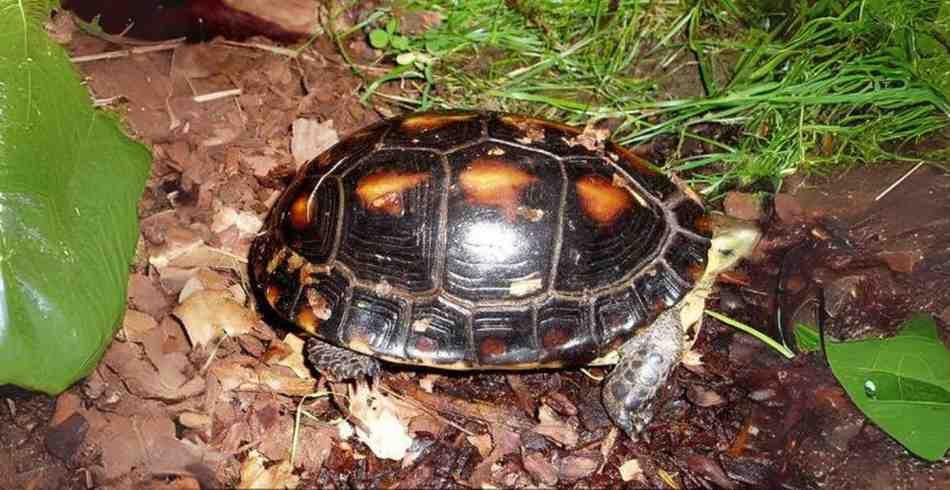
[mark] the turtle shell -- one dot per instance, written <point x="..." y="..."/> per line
<point x="471" y="240"/>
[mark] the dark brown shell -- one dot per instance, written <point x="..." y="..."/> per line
<point x="478" y="240"/>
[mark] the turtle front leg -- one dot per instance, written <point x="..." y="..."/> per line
<point x="338" y="364"/>
<point x="646" y="361"/>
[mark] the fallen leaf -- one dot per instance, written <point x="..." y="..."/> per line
<point x="542" y="470"/>
<point x="246" y="222"/>
<point x="294" y="359"/>
<point x="577" y="466"/>
<point x="235" y="377"/>
<point x="207" y="315"/>
<point x="311" y="138"/>
<point x="137" y="324"/>
<point x="482" y="443"/>
<point x="383" y="426"/>
<point x="146" y="297"/>
<point x="555" y="428"/>
<point x="255" y="475"/>
<point x="631" y="470"/>
<point x="143" y="380"/>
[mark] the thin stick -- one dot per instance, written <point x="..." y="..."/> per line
<point x="290" y="53"/>
<point x="897" y="183"/>
<point x="122" y="53"/>
<point x="217" y="95"/>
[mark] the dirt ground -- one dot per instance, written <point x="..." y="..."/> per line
<point x="170" y="406"/>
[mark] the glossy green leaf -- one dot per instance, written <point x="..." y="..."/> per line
<point x="806" y="338"/>
<point x="69" y="184"/>
<point x="379" y="38"/>
<point x="902" y="383"/>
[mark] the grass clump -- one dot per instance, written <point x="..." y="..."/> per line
<point x="808" y="85"/>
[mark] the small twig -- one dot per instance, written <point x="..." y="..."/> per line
<point x="217" y="95"/>
<point x="122" y="53"/>
<point x="897" y="183"/>
<point x="107" y="101"/>
<point x="290" y="53"/>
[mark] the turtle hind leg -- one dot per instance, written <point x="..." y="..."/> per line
<point x="646" y="361"/>
<point x="339" y="364"/>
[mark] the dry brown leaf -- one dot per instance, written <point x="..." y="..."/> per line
<point x="542" y="470"/>
<point x="255" y="475"/>
<point x="555" y="428"/>
<point x="384" y="422"/>
<point x="311" y="138"/>
<point x="66" y="405"/>
<point x="505" y="442"/>
<point x="145" y="296"/>
<point x="207" y="315"/>
<point x="482" y="443"/>
<point x="137" y="324"/>
<point x="235" y="377"/>
<point x="578" y="465"/>
<point x="143" y="380"/>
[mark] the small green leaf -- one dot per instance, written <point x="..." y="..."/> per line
<point x="70" y="181"/>
<point x="392" y="25"/>
<point x="901" y="383"/>
<point x="806" y="338"/>
<point x="378" y="38"/>
<point x="400" y="42"/>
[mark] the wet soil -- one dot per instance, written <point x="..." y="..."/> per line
<point x="164" y="413"/>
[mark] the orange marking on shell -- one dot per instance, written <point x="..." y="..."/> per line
<point x="704" y="224"/>
<point x="382" y="191"/>
<point x="425" y="122"/>
<point x="307" y="320"/>
<point x="272" y="293"/>
<point x="495" y="183"/>
<point x="492" y="347"/>
<point x="555" y="338"/>
<point x="602" y="201"/>
<point x="299" y="214"/>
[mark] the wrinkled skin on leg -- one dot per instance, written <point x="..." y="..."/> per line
<point x="338" y="364"/>
<point x="646" y="361"/>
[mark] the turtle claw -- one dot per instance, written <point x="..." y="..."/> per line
<point x="338" y="364"/>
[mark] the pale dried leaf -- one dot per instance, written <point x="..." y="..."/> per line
<point x="381" y="427"/>
<point x="207" y="315"/>
<point x="631" y="470"/>
<point x="311" y="138"/>
<point x="555" y="428"/>
<point x="246" y="222"/>
<point x="482" y="443"/>
<point x="255" y="475"/>
<point x="294" y="359"/>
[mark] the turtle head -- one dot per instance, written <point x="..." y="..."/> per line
<point x="733" y="239"/>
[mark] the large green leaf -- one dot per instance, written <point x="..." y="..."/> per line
<point x="69" y="184"/>
<point x="902" y="383"/>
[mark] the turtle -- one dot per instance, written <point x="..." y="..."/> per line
<point x="479" y="240"/>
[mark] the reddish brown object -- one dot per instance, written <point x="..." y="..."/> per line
<point x="198" y="20"/>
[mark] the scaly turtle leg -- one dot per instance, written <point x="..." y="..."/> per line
<point x="338" y="364"/>
<point x="646" y="361"/>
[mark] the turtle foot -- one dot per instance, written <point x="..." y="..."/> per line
<point x="646" y="361"/>
<point x="338" y="364"/>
